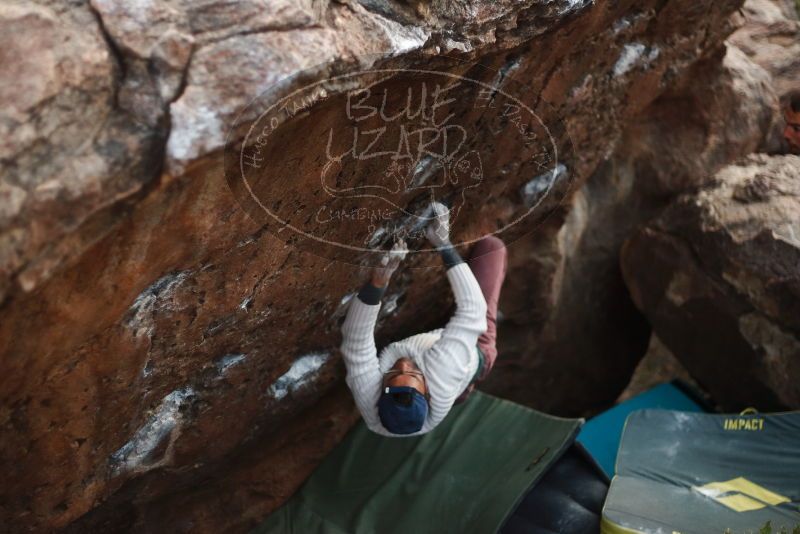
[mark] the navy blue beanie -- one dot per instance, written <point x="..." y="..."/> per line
<point x="402" y="409"/>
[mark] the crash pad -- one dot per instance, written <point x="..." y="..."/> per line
<point x="601" y="434"/>
<point x="696" y="473"/>
<point x="569" y="498"/>
<point x="467" y="475"/>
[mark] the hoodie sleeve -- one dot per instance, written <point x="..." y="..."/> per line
<point x="361" y="360"/>
<point x="447" y="361"/>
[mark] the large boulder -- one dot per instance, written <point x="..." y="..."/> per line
<point x="718" y="277"/>
<point x="571" y="336"/>
<point x="168" y="362"/>
<point x="770" y="37"/>
<point x="67" y="154"/>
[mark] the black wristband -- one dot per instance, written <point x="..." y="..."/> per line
<point x="370" y="294"/>
<point x="450" y="256"/>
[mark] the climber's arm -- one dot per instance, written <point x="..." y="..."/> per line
<point x="449" y="358"/>
<point x="447" y="361"/>
<point x="469" y="320"/>
<point x="359" y="352"/>
<point x="358" y="340"/>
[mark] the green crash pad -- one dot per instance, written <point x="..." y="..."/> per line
<point x="466" y="475"/>
<point x="696" y="473"/>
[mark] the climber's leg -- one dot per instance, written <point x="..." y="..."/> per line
<point x="488" y="262"/>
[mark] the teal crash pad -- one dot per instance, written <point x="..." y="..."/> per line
<point x="600" y="435"/>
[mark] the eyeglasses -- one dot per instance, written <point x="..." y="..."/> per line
<point x="397" y="372"/>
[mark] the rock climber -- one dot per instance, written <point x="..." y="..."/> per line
<point x="791" y="116"/>
<point x="415" y="382"/>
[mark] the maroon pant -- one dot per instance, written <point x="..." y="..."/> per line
<point x="488" y="263"/>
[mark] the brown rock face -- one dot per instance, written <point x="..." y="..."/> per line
<point x="717" y="275"/>
<point x="168" y="363"/>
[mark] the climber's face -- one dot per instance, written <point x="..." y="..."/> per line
<point x="792" y="131"/>
<point x="405" y="373"/>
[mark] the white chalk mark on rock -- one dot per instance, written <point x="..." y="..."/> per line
<point x="137" y="454"/>
<point x="631" y="54"/>
<point x="622" y="24"/>
<point x="634" y="54"/>
<point x="140" y="314"/>
<point x="390" y="305"/>
<point x="227" y="361"/>
<point x="426" y="168"/>
<point x="344" y="305"/>
<point x="302" y="371"/>
<point x="572" y="5"/>
<point x="377" y="236"/>
<point x="147" y="370"/>
<point x="401" y="38"/>
<point x="536" y="189"/>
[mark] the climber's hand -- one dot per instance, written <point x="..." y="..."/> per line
<point x="438" y="230"/>
<point x="389" y="263"/>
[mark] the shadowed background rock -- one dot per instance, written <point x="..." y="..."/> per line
<point x="170" y="365"/>
<point x="717" y="275"/>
